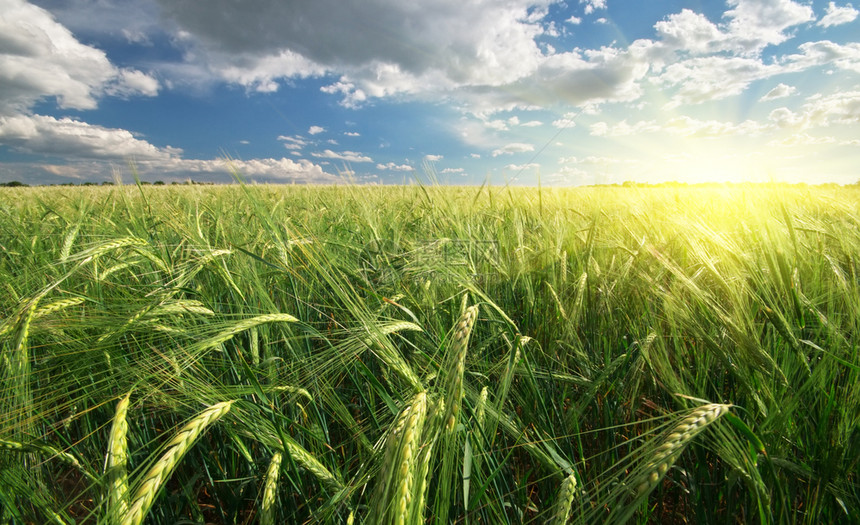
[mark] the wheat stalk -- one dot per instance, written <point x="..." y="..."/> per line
<point x="68" y="240"/>
<point x="305" y="459"/>
<point x="557" y="300"/>
<point x="243" y="325"/>
<point x="57" y="305"/>
<point x="269" y="489"/>
<point x="481" y="409"/>
<point x="563" y="269"/>
<point x="565" y="500"/>
<point x="117" y="458"/>
<point x="407" y="455"/>
<point x="667" y="453"/>
<point x="101" y="249"/>
<point x="423" y="461"/>
<point x="175" y="450"/>
<point x="181" y="307"/>
<point x="48" y="450"/>
<point x="394" y="493"/>
<point x="389" y="354"/>
<point x="458" y="354"/>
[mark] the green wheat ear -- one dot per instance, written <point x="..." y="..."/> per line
<point x="561" y="512"/>
<point x="267" y="508"/>
<point x="667" y="453"/>
<point x="402" y="471"/>
<point x="457" y="366"/>
<point x="181" y="443"/>
<point x="117" y="458"/>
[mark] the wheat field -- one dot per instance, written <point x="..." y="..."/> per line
<point x="413" y="354"/>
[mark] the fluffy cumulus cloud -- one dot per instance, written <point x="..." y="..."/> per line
<point x="268" y="169"/>
<point x="591" y="5"/>
<point x="838" y="15"/>
<point x="379" y="46"/>
<point x="74" y="139"/>
<point x="702" y="79"/>
<point x="41" y="58"/>
<point x="390" y="48"/>
<point x="756" y="24"/>
<point x="94" y="152"/>
<point x="822" y="53"/>
<point x="515" y="147"/>
<point x="174" y="169"/>
<point x="841" y="108"/>
<point x="576" y="78"/>
<point x="702" y="61"/>
<point x="394" y="167"/>
<point x="780" y="91"/>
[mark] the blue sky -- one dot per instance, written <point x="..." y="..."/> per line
<point x="385" y="91"/>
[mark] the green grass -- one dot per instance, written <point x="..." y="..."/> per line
<point x="429" y="354"/>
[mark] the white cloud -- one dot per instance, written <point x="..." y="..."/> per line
<point x="293" y="143"/>
<point x="41" y="58"/>
<point x="577" y="78"/>
<point x="702" y="79"/>
<point x="394" y="167"/>
<point x="750" y="26"/>
<point x="780" y="91"/>
<point x="568" y="121"/>
<point x="756" y="24"/>
<point x="453" y="170"/>
<point x="575" y="20"/>
<point x="281" y="170"/>
<point x="821" y="111"/>
<point x="516" y="147"/>
<point x="532" y="124"/>
<point x="136" y="36"/>
<point x="692" y="32"/>
<point x="278" y="170"/>
<point x="433" y="158"/>
<point x="523" y="167"/>
<point x="838" y="15"/>
<point x="447" y="41"/>
<point x="825" y="52"/>
<point x="352" y="133"/>
<point x="347" y="156"/>
<point x="130" y="82"/>
<point x="352" y="95"/>
<point x="591" y="5"/>
<point x="591" y="160"/>
<point x="315" y="130"/>
<point x="602" y="129"/>
<point x="691" y="127"/>
<point x="75" y="139"/>
<point x="260" y="72"/>
<point x="174" y="169"/>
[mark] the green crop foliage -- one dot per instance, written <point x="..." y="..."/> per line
<point x="414" y="354"/>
